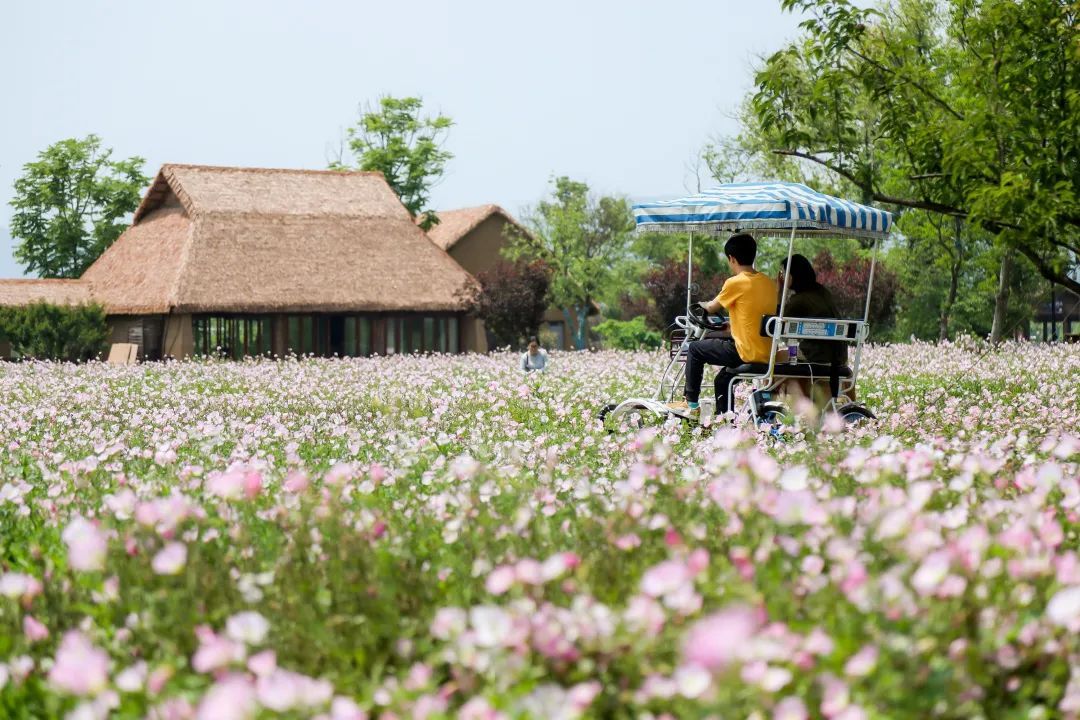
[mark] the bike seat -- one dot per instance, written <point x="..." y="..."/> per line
<point x="787" y="370"/>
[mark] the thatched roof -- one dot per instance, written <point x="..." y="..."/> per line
<point x="216" y="239"/>
<point x="56" y="292"/>
<point x="455" y="224"/>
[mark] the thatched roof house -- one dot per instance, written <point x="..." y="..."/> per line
<point x="22" y="291"/>
<point x="256" y="261"/>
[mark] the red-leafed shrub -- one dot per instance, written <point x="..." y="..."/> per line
<point x="512" y="299"/>
<point x="848" y="280"/>
<point x="666" y="285"/>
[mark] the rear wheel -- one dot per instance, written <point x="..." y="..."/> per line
<point x="772" y="418"/>
<point x="856" y="415"/>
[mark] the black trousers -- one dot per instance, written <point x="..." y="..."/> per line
<point x="711" y="351"/>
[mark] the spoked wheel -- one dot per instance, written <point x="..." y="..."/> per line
<point x="856" y="415"/>
<point x="635" y="416"/>
<point x="773" y="417"/>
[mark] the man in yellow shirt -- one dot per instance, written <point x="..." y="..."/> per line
<point x="747" y="295"/>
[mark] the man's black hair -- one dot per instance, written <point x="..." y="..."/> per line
<point x="742" y="247"/>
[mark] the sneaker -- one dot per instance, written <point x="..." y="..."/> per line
<point x="683" y="410"/>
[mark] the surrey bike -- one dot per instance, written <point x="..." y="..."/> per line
<point x="796" y="211"/>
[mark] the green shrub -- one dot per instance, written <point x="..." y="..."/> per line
<point x="54" y="332"/>
<point x="628" y="334"/>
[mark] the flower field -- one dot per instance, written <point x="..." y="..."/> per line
<point x="428" y="537"/>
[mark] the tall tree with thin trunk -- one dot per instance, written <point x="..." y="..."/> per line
<point x="70" y="206"/>
<point x="581" y="237"/>
<point x="397" y="140"/>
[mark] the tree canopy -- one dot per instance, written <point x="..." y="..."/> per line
<point x="581" y="237"/>
<point x="406" y="147"/>
<point x="70" y="204"/>
<point x="965" y="108"/>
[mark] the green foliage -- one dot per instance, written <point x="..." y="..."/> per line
<point x="69" y="206"/>
<point x="628" y="334"/>
<point x="405" y="147"/>
<point x="964" y="108"/>
<point x="53" y="332"/>
<point x="581" y="238"/>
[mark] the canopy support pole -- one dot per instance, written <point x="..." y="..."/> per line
<point x="779" y="327"/>
<point x="689" y="270"/>
<point x="870" y="286"/>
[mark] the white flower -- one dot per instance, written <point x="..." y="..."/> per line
<point x="1064" y="608"/>
<point x="247" y="627"/>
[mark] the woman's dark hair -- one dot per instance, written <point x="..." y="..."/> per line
<point x="742" y="247"/>
<point x="533" y="339"/>
<point x="803" y="276"/>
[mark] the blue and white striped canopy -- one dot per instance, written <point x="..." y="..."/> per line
<point x="763" y="206"/>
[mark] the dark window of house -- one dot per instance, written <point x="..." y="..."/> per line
<point x="364" y="336"/>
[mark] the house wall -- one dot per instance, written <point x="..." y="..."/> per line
<point x="481" y="249"/>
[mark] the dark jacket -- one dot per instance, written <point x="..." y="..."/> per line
<point x="817" y="302"/>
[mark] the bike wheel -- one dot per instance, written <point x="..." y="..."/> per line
<point x="856" y="415"/>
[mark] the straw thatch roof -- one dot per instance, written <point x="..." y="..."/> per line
<point x="217" y="239"/>
<point x="56" y="292"/>
<point x="455" y="224"/>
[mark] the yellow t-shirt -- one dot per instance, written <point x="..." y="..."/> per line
<point x="748" y="297"/>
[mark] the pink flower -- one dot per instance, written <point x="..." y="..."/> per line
<point x="262" y="663"/>
<point x="931" y="573"/>
<point x="664" y="578"/>
<point x="80" y="668"/>
<point x="448" y="622"/>
<point x="528" y="572"/>
<point x="478" y="709"/>
<point x="232" y="698"/>
<point x="296" y="482"/>
<point x="18" y="585"/>
<point x="216" y="652"/>
<point x="834" y="696"/>
<point x="229" y="485"/>
<point x="558" y="564"/>
<point x="500" y="580"/>
<point x="170" y="560"/>
<point x="861" y="663"/>
<point x="253" y="485"/>
<point x="86" y="544"/>
<point x="791" y="708"/>
<point x="717" y="640"/>
<point x="342" y="708"/>
<point x="34" y="630"/>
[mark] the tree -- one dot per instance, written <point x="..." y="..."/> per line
<point x="406" y="148"/>
<point x="69" y="206"/>
<point x="665" y="284"/>
<point x="55" y="332"/>
<point x="628" y="334"/>
<point x="848" y="281"/>
<point x="512" y="299"/>
<point x="581" y="238"/>
<point x="965" y="108"/>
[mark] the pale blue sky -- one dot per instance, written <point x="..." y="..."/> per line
<point x="618" y="93"/>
